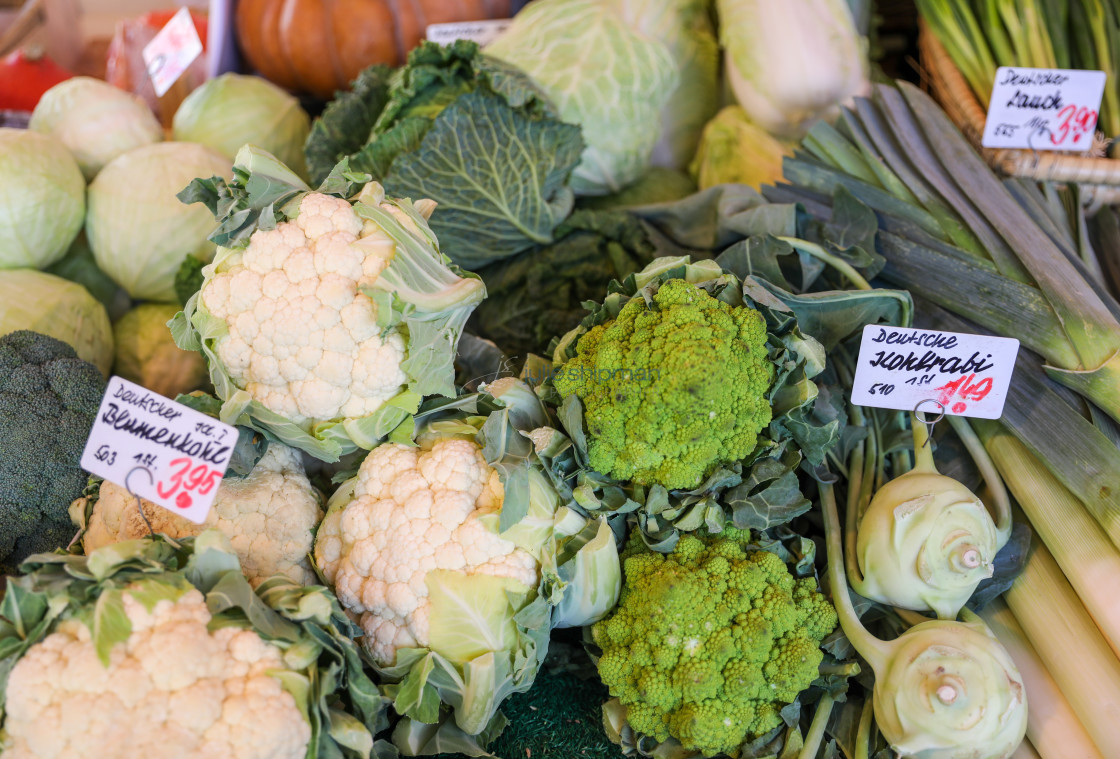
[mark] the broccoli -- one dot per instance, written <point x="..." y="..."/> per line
<point x="48" y="400"/>
<point x="672" y="388"/>
<point x="709" y="642"/>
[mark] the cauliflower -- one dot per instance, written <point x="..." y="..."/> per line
<point x="708" y="643"/>
<point x="269" y="516"/>
<point x="172" y="689"/>
<point x="414" y="513"/>
<point x="302" y="337"/>
<point x="672" y="388"/>
<point x="325" y="317"/>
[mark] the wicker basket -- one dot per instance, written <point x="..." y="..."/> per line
<point x="1098" y="177"/>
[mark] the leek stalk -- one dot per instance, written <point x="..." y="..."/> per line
<point x="1077" y="543"/>
<point x="1053" y="728"/>
<point x="1071" y="647"/>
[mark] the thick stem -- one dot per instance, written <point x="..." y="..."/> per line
<point x="815" y="735"/>
<point x="863" y="733"/>
<point x="819" y="253"/>
<point x="868" y="483"/>
<point x="873" y="650"/>
<point x="852" y="513"/>
<point x="909" y="616"/>
<point x="1001" y="503"/>
<point x="923" y="447"/>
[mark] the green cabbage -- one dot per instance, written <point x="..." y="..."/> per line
<point x="138" y="230"/>
<point x="466" y="130"/>
<point x="42" y="199"/>
<point x="602" y="74"/>
<point x="95" y="120"/>
<point x="686" y="28"/>
<point x="233" y="110"/>
<point x="54" y="306"/>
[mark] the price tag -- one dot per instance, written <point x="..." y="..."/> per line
<point x="482" y="32"/>
<point x="179" y="455"/>
<point x="1043" y="109"/>
<point x="968" y="375"/>
<point x="172" y="51"/>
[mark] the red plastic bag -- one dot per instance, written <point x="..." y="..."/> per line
<point x="125" y="66"/>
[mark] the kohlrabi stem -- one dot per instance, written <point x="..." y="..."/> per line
<point x="923" y="448"/>
<point x="844" y="669"/>
<point x="999" y="498"/>
<point x="819" y="253"/>
<point x="880" y="454"/>
<point x="904" y="460"/>
<point x="815" y="735"/>
<point x="910" y="617"/>
<point x="876" y="652"/>
<point x="863" y="732"/>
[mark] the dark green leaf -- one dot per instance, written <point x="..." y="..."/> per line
<point x="769" y="495"/>
<point x="345" y="124"/>
<point x="499" y="178"/>
<point x="539" y="294"/>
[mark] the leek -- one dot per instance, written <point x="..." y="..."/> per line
<point x="1053" y="728"/>
<point x="1089" y="561"/>
<point x="981" y="35"/>
<point x="1071" y="646"/>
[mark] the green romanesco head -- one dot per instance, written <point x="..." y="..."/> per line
<point x="673" y="388"/>
<point x="709" y="642"/>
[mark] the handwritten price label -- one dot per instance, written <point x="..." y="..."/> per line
<point x="163" y="451"/>
<point x="482" y="32"/>
<point x="1043" y="109"/>
<point x="968" y="375"/>
<point x="172" y="51"/>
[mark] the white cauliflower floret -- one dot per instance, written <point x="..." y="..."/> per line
<point x="269" y="516"/>
<point x="415" y="511"/>
<point x="303" y="339"/>
<point x="173" y="689"/>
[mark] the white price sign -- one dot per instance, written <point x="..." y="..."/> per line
<point x="900" y="368"/>
<point x="1043" y="109"/>
<point x="160" y="450"/>
<point x="172" y="51"/>
<point x="482" y="32"/>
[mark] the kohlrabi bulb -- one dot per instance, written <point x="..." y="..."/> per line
<point x="949" y="690"/>
<point x="925" y="541"/>
<point x="943" y="689"/>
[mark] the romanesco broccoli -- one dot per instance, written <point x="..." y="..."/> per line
<point x="672" y="388"/>
<point x="48" y="400"/>
<point x="709" y="642"/>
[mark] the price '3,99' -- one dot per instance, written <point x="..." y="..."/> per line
<point x="184" y="480"/>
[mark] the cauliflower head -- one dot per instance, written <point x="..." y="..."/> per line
<point x="709" y="642"/>
<point x="303" y="339"/>
<point x="172" y="689"/>
<point x="269" y="516"/>
<point x="672" y="388"/>
<point x="419" y="520"/>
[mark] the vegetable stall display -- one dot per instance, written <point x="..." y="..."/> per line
<point x="540" y="356"/>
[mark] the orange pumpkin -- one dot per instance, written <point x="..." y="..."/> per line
<point x="319" y="46"/>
